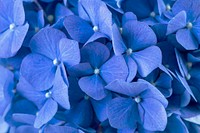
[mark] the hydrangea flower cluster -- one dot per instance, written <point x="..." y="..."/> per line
<point x="105" y="66"/>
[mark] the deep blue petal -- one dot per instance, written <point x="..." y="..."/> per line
<point x="114" y="68"/>
<point x="46" y="113"/>
<point x="93" y="86"/>
<point x="39" y="71"/>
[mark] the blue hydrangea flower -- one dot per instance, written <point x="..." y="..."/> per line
<point x="137" y="48"/>
<point x="47" y="101"/>
<point x="12" y="27"/>
<point x="96" y="69"/>
<point x="51" y="50"/>
<point x="99" y="18"/>
<point x="143" y="104"/>
<point x="185" y="23"/>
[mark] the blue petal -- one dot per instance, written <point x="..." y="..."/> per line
<point x="19" y="15"/>
<point x="155" y="117"/>
<point x="114" y="68"/>
<point x="11" y="41"/>
<point x="100" y="107"/>
<point x="39" y="71"/>
<point x="62" y="11"/>
<point x="93" y="86"/>
<point x="147" y="60"/>
<point x="95" y="36"/>
<point x="118" y="45"/>
<point x="25" y="128"/>
<point x="79" y="29"/>
<point x="190" y="6"/>
<point x="81" y="114"/>
<point x="187" y="39"/>
<point x="99" y="14"/>
<point x="24" y="118"/>
<point x="128" y="16"/>
<point x="185" y="84"/>
<point x="122" y="113"/>
<point x="175" y="124"/>
<point x="27" y="91"/>
<point x="6" y="11"/>
<point x="132" y="68"/>
<point x="80" y="70"/>
<point x="46" y="113"/>
<point x="69" y="50"/>
<point x="177" y="22"/>
<point x="196" y="29"/>
<point x="95" y="53"/>
<point x="60" y="91"/>
<point x="130" y="89"/>
<point x="46" y="42"/>
<point x="163" y="83"/>
<point x="153" y="93"/>
<point x="60" y="129"/>
<point x="138" y="35"/>
<point x="7" y="82"/>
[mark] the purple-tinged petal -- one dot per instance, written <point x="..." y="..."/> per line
<point x="129" y="89"/>
<point x="95" y="53"/>
<point x="69" y="52"/>
<point x="187" y="39"/>
<point x="39" y="71"/>
<point x="93" y="86"/>
<point x="79" y="29"/>
<point x="122" y="113"/>
<point x="155" y="117"/>
<point x="46" y="42"/>
<point x="114" y="68"/>
<point x="46" y="113"/>
<point x="147" y="60"/>
<point x="177" y="22"/>
<point x="138" y="35"/>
